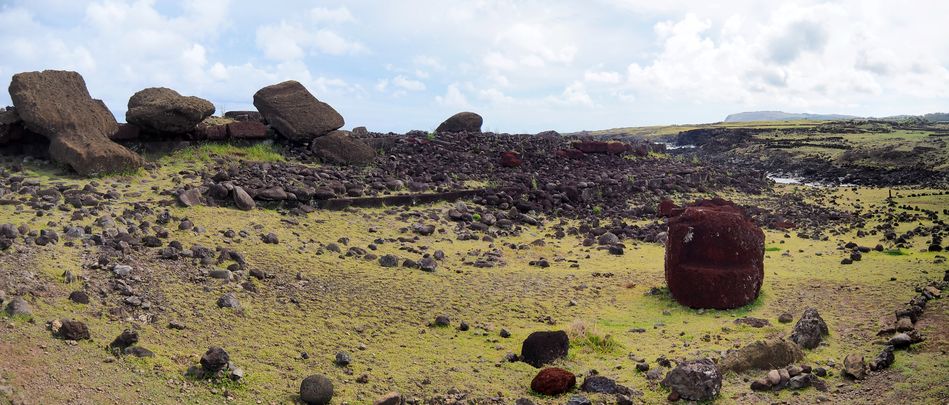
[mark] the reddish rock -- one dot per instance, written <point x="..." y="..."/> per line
<point x="714" y="256"/>
<point x="553" y="381"/>
<point x="247" y="130"/>
<point x="612" y="148"/>
<point x="461" y="122"/>
<point x="570" y="153"/>
<point x="510" y="159"/>
<point x="244" y="116"/>
<point x="665" y="208"/>
<point x="212" y="133"/>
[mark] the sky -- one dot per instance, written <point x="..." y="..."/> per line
<point x="525" y="66"/>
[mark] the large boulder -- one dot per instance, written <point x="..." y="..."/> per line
<point x="244" y="116"/>
<point x="542" y="347"/>
<point x="295" y="113"/>
<point x="57" y="105"/>
<point x="461" y="122"/>
<point x="762" y="355"/>
<point x="163" y="110"/>
<point x="696" y="380"/>
<point x="340" y="147"/>
<point x="810" y="329"/>
<point x="714" y="256"/>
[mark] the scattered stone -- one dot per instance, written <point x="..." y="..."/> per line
<point x="543" y="347"/>
<point x="214" y="360"/>
<point x="753" y="322"/>
<point x="762" y="355"/>
<point x="389" y="261"/>
<point x="343" y="359"/>
<point x="442" y="320"/>
<point x="696" y="380"/>
<point x="79" y="297"/>
<point x="73" y="330"/>
<point x="228" y="300"/>
<point x="391" y="398"/>
<point x="242" y="200"/>
<point x="127" y="338"/>
<point x="553" y="381"/>
<point x="19" y="307"/>
<point x="316" y="390"/>
<point x="883" y="360"/>
<point x="809" y="330"/>
<point x="854" y="367"/>
<point x="785" y="317"/>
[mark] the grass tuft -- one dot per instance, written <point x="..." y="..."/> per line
<point x="584" y="335"/>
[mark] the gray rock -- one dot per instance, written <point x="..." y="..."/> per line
<point x="214" y="359"/>
<point x="343" y="359"/>
<point x="228" y="300"/>
<point x="341" y="148"/>
<point x="19" y="307"/>
<point x="854" y="367"/>
<point x="242" y="200"/>
<point x="809" y="330"/>
<point x="697" y="380"/>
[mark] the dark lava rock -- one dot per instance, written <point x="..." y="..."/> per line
<point x="579" y="400"/>
<point x="809" y="330"/>
<point x="228" y="300"/>
<point x="510" y="159"/>
<point x="290" y="109"/>
<point x="163" y="110"/>
<point x="785" y="317"/>
<point x="214" y="359"/>
<point x="127" y="338"/>
<point x="753" y="322"/>
<point x="74" y="330"/>
<point x="883" y="360"/>
<point x="316" y="390"/>
<point x="343" y="359"/>
<point x="340" y="147"/>
<point x="428" y="264"/>
<point x="138" y="351"/>
<point x="461" y="122"/>
<point x="697" y="380"/>
<point x="603" y="385"/>
<point x="244" y="116"/>
<point x="714" y="256"/>
<point x="389" y="261"/>
<point x="762" y="355"/>
<point x="79" y="297"/>
<point x="442" y="320"/>
<point x="544" y="347"/>
<point x="553" y="381"/>
<point x="57" y="105"/>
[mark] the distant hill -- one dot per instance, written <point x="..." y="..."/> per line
<point x="783" y="116"/>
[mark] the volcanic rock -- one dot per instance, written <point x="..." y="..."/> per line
<point x="697" y="380"/>
<point x="214" y="359"/>
<point x="18" y="307"/>
<point x="295" y="113"/>
<point x="163" y="110"/>
<point x="242" y="200"/>
<point x="714" y="256"/>
<point x="73" y="330"/>
<point x="510" y="159"/>
<point x="244" y="116"/>
<point x="57" y="105"/>
<point x="391" y="398"/>
<point x="553" y="381"/>
<point x="316" y="390"/>
<point x="762" y="355"/>
<point x="461" y="122"/>
<point x="854" y="367"/>
<point x="249" y="130"/>
<point x="809" y="330"/>
<point x="127" y="338"/>
<point x="543" y="347"/>
<point x="883" y="360"/>
<point x="340" y="147"/>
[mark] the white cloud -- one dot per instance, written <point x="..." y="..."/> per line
<point x="408" y="84"/>
<point x="290" y="41"/>
<point x="453" y="97"/>
<point x="334" y="15"/>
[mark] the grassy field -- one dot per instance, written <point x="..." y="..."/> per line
<point x="319" y="303"/>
